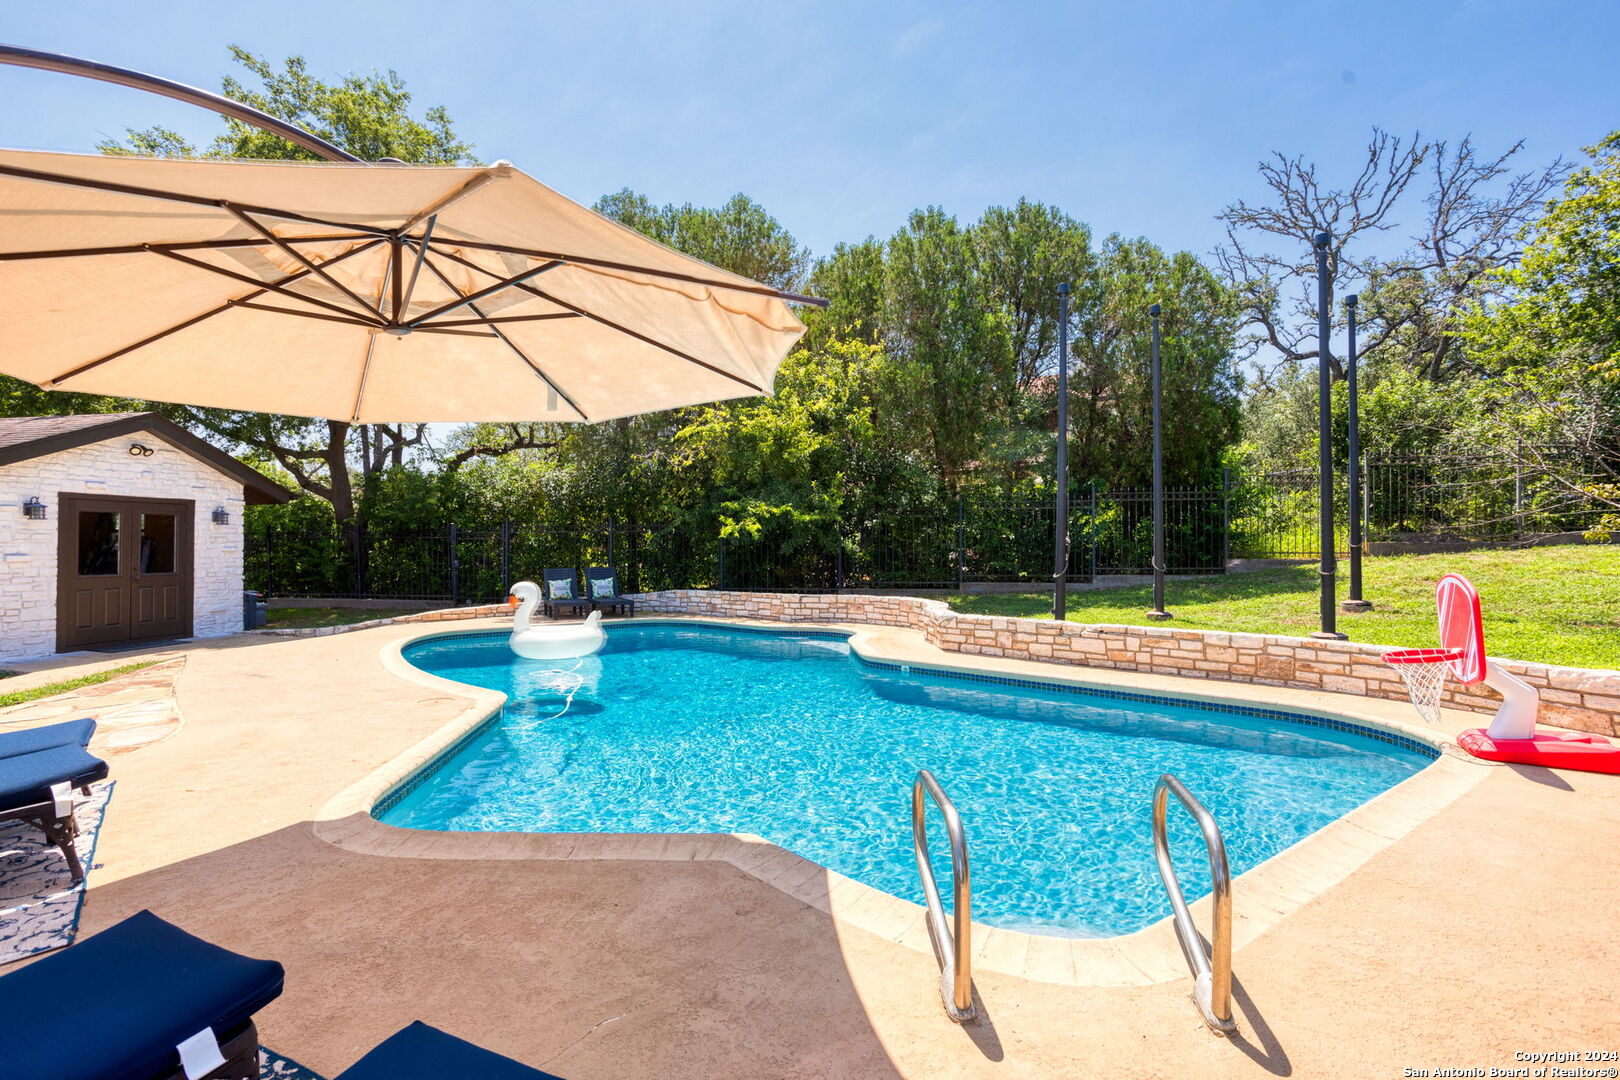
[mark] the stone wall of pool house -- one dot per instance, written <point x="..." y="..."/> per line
<point x="1578" y="698"/>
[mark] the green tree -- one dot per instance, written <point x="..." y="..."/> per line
<point x="953" y="347"/>
<point x="1111" y="385"/>
<point x="740" y="236"/>
<point x="851" y="279"/>
<point x="367" y="115"/>
<point x="1552" y="347"/>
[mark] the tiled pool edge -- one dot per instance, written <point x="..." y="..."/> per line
<point x="1263" y="895"/>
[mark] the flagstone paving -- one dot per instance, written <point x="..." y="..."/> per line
<point x="130" y="711"/>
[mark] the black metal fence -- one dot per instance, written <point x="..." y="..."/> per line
<point x="1111" y="532"/>
<point x="1254" y="515"/>
<point x="1485" y="499"/>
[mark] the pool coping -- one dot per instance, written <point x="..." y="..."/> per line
<point x="1262" y="896"/>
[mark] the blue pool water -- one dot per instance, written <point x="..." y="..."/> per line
<point x="684" y="729"/>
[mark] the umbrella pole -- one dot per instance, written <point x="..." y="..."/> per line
<point x="17" y="56"/>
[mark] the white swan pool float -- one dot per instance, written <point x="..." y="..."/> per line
<point x="559" y="641"/>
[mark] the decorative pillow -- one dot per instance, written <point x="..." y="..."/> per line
<point x="561" y="589"/>
<point x="603" y="587"/>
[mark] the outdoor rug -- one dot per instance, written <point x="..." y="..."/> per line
<point x="39" y="904"/>
<point x="272" y="1066"/>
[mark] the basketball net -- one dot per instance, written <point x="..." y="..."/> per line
<point x="1424" y="672"/>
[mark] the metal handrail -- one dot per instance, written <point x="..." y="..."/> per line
<point x="953" y="951"/>
<point x="1212" y="974"/>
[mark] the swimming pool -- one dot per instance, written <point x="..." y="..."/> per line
<point x="684" y="728"/>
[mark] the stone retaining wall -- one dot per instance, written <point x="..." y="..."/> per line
<point x="1578" y="698"/>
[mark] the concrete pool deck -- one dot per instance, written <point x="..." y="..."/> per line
<point x="1485" y="927"/>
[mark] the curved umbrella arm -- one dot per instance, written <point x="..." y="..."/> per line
<point x="17" y="56"/>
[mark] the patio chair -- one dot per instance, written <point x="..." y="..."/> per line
<point x="134" y="1002"/>
<point x="603" y="584"/>
<point x="420" y="1052"/>
<point x="35" y="787"/>
<point x="562" y="593"/>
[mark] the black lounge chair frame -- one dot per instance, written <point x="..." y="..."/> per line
<point x="241" y="1053"/>
<point x="617" y="600"/>
<point x="576" y="604"/>
<point x="61" y="830"/>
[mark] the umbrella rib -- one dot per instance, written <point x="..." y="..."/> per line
<point x="271" y="286"/>
<point x="253" y="223"/>
<point x="416" y="267"/>
<point x="180" y="245"/>
<point x="534" y="367"/>
<point x="346" y="320"/>
<point x="504" y="283"/>
<point x="462" y="333"/>
<point x="365" y="370"/>
<point x="175" y="196"/>
<point x="674" y="275"/>
<point x="495" y="320"/>
<point x="52" y="383"/>
<point x="193" y="321"/>
<point x="432" y="209"/>
<point x="610" y="324"/>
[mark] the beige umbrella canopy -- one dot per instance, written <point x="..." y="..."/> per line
<point x="368" y="293"/>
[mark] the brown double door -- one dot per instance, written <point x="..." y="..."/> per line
<point x="124" y="570"/>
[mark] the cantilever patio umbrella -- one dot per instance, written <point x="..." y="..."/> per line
<point x="369" y="293"/>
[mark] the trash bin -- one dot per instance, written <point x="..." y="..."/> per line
<point x="255" y="612"/>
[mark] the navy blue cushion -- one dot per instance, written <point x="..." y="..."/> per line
<point x="67" y="733"/>
<point x="27" y="778"/>
<point x="115" y="1006"/>
<point x="420" y="1052"/>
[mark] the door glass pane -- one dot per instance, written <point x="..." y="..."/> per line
<point x="157" y="544"/>
<point x="98" y="543"/>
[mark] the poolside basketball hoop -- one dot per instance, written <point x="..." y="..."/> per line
<point x="1424" y="672"/>
<point x="1462" y="656"/>
<point x="1461" y="653"/>
<point x="1512" y="735"/>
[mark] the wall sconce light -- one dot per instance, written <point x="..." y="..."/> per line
<point x="137" y="450"/>
<point x="33" y="509"/>
<point x="222" y="516"/>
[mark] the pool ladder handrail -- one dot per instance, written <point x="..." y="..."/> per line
<point x="1212" y="973"/>
<point x="953" y="950"/>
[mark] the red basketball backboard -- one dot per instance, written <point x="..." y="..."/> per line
<point x="1461" y="627"/>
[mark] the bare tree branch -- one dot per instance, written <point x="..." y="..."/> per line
<point x="1475" y="208"/>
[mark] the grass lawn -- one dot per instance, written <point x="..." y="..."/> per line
<point x="52" y="689"/>
<point x="1553" y="605"/>
<point x="301" y="618"/>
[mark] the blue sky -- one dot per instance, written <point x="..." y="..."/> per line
<point x="841" y="118"/>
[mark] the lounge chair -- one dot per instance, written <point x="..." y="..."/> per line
<point x="420" y="1052"/>
<point x="562" y="593"/>
<point x="35" y="786"/>
<point x="120" y="1005"/>
<point x="603" y="584"/>
<point x="67" y="733"/>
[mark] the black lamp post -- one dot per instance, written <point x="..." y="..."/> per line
<point x="1060" y="530"/>
<point x="1158" y="611"/>
<point x="1355" y="602"/>
<point x="1324" y="392"/>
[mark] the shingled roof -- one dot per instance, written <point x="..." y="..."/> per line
<point x="26" y="437"/>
